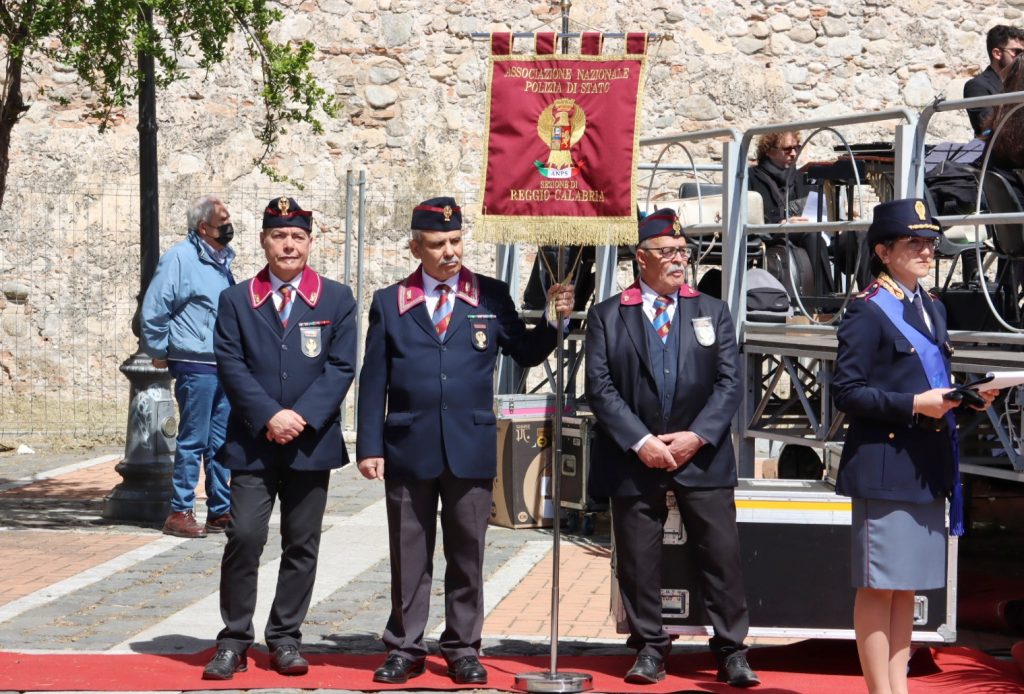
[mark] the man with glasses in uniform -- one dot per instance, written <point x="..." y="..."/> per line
<point x="662" y="377"/>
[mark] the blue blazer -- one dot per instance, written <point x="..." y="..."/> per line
<point x="264" y="368"/>
<point x="623" y="394"/>
<point x="877" y="373"/>
<point x="425" y="403"/>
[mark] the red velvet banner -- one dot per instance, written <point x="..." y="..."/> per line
<point x="561" y="145"/>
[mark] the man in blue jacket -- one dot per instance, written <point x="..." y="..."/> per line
<point x="427" y="428"/>
<point x="286" y="351"/>
<point x="178" y="313"/>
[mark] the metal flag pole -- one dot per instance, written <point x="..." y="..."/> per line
<point x="553" y="680"/>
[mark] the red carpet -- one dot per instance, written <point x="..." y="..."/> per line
<point x="809" y="667"/>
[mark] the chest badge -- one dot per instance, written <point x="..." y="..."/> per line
<point x="480" y="340"/>
<point x="703" y="331"/>
<point x="312" y="343"/>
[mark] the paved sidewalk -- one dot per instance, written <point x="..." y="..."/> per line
<point x="73" y="582"/>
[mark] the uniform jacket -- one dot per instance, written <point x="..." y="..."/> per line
<point x="180" y="306"/>
<point x="623" y="394"/>
<point x="265" y="368"/>
<point x="424" y="402"/>
<point x="887" y="455"/>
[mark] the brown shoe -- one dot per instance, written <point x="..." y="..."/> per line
<point x="217" y="524"/>
<point x="183" y="524"/>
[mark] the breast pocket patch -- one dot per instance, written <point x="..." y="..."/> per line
<point x="312" y="342"/>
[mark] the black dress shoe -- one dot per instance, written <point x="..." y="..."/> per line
<point x="467" y="670"/>
<point x="647" y="669"/>
<point x="397" y="669"/>
<point x="735" y="671"/>
<point x="287" y="660"/>
<point x="224" y="665"/>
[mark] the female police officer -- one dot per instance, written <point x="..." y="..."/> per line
<point x="899" y="461"/>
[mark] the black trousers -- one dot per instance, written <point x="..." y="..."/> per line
<point x="412" y="526"/>
<point x="303" y="496"/>
<point x="709" y="516"/>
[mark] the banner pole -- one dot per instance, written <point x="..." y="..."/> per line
<point x="553" y="680"/>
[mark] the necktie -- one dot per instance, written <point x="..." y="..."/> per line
<point x="286" y="303"/>
<point x="443" y="311"/>
<point x="919" y="307"/>
<point x="662" y="323"/>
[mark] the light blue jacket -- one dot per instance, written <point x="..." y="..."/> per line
<point x="180" y="307"/>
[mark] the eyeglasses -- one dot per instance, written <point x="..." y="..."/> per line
<point x="1014" y="51"/>
<point x="790" y="149"/>
<point x="669" y="252"/>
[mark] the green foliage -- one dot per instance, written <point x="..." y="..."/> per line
<point x="101" y="39"/>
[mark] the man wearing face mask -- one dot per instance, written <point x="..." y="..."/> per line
<point x="178" y="314"/>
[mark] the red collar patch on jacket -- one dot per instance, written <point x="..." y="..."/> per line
<point x="309" y="287"/>
<point x="633" y="294"/>
<point x="410" y="290"/>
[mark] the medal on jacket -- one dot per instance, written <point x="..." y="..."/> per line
<point x="704" y="331"/>
<point x="311" y="341"/>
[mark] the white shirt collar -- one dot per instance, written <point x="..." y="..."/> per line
<point x="276" y="283"/>
<point x="912" y="294"/>
<point x="430" y="284"/>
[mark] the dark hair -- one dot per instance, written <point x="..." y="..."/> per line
<point x="1008" y="148"/>
<point x="770" y="141"/>
<point x="1000" y="35"/>
<point x="876" y="266"/>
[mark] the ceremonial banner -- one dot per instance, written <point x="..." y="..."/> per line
<point x="561" y="145"/>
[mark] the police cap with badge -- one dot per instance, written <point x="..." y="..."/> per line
<point x="285" y="212"/>
<point x="901" y="218"/>
<point x="437" y="214"/>
<point x="663" y="222"/>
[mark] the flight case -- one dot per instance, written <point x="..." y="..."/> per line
<point x="795" y="544"/>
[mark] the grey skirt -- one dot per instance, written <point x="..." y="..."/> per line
<point x="898" y="546"/>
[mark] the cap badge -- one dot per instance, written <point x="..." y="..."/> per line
<point x="447" y="212"/>
<point x="677" y="228"/>
<point x="919" y="208"/>
<point x="283" y="205"/>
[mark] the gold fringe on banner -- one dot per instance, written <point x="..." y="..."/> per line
<point x="556" y="231"/>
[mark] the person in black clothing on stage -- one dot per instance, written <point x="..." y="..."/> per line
<point x="1003" y="44"/>
<point x="784" y="191"/>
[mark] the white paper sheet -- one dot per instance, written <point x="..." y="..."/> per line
<point x="1001" y="379"/>
<point x="811" y="208"/>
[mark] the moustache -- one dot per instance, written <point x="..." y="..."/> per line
<point x="676" y="267"/>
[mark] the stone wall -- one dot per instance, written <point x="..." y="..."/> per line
<point x="411" y="89"/>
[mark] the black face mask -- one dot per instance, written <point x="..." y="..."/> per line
<point x="225" y="232"/>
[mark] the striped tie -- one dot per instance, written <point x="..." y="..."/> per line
<point x="443" y="311"/>
<point x="286" y="303"/>
<point x="662" y="323"/>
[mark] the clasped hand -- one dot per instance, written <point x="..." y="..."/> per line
<point x="670" y="451"/>
<point x="285" y="426"/>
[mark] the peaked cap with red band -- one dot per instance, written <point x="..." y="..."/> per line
<point x="437" y="214"/>
<point x="285" y="212"/>
<point x="664" y="222"/>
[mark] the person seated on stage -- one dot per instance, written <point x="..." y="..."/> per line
<point x="784" y="191"/>
<point x="1008" y="148"/>
<point x="1004" y="44"/>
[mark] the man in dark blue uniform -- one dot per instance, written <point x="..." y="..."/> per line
<point x="427" y="428"/>
<point x="662" y="379"/>
<point x="286" y="347"/>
